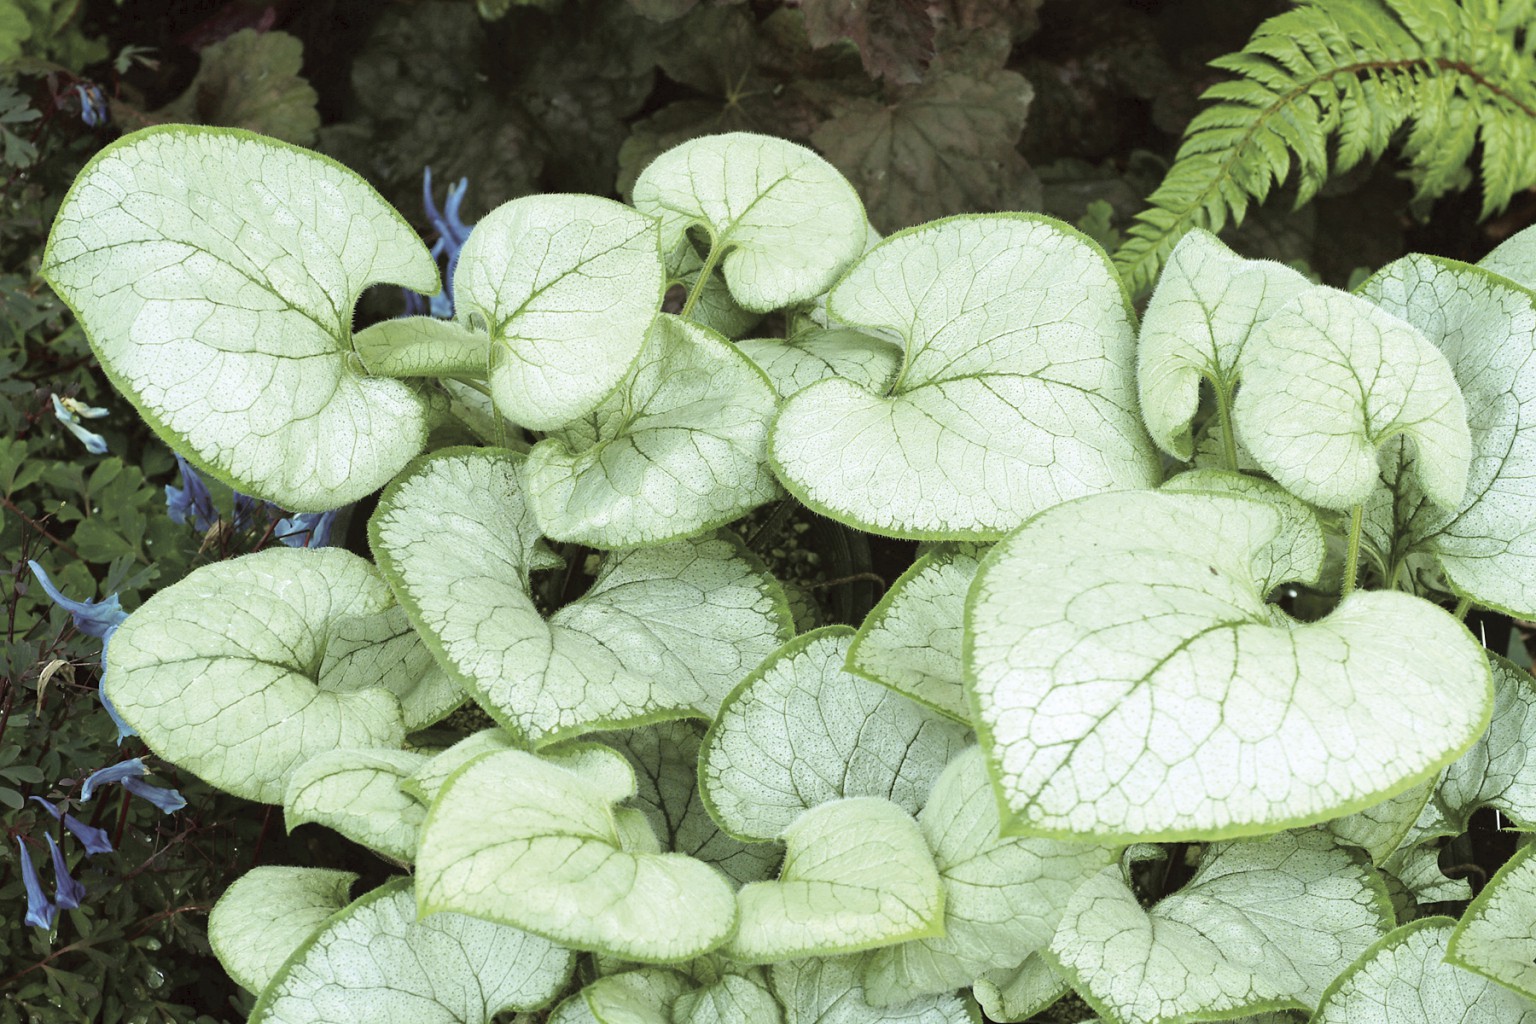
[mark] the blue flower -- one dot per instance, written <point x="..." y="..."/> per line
<point x="70" y="412"/>
<point x="191" y="499"/>
<point x="67" y="893"/>
<point x="99" y="619"/>
<point x="93" y="839"/>
<point x="306" y="529"/>
<point x="452" y="233"/>
<point x="40" y="910"/>
<point x="93" y="105"/>
<point x="129" y="773"/>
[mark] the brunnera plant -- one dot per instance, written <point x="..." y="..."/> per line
<point x="685" y="813"/>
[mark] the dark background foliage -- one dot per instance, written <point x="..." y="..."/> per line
<point x="931" y="107"/>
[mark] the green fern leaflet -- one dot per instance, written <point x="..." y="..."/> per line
<point x="1333" y="82"/>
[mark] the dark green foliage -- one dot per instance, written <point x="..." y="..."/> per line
<point x="1330" y="84"/>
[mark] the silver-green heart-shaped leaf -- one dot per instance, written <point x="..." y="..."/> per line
<point x="531" y="843"/>
<point x="1486" y="327"/>
<point x="1329" y="379"/>
<point x="1020" y="993"/>
<point x="733" y="999"/>
<point x="229" y="673"/>
<point x="214" y="272"/>
<point x="1131" y="682"/>
<point x="827" y="991"/>
<point x="1413" y="878"/>
<point x="1207" y="303"/>
<point x="663" y="632"/>
<point x="782" y="221"/>
<point x="1495" y="937"/>
<point x="1405" y="978"/>
<point x="857" y="874"/>
<point x="1003" y="897"/>
<point x="376" y="962"/>
<point x="1500" y="769"/>
<point x="1264" y="924"/>
<point x="425" y="781"/>
<point x="269" y="912"/>
<point x="665" y="757"/>
<point x="358" y="793"/>
<point x="796" y="363"/>
<point x="1296" y="554"/>
<point x="643" y="996"/>
<point x="566" y="286"/>
<point x="911" y="640"/>
<point x="1514" y="258"/>
<point x="679" y="448"/>
<point x="801" y="730"/>
<point x="375" y="649"/>
<point x="1015" y="392"/>
<point x="1381" y="829"/>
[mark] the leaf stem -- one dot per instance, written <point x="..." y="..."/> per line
<point x="1462" y="607"/>
<point x="1224" y="414"/>
<point x="1352" y="552"/>
<point x="704" y="272"/>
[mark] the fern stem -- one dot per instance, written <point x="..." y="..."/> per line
<point x="1158" y="240"/>
<point x="1352" y="552"/>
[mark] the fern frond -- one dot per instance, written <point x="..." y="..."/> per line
<point x="1332" y="83"/>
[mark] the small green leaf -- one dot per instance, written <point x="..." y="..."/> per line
<point x="662" y="633"/>
<point x="1131" y="682"/>
<point x="1329" y="379"/>
<point x="678" y="449"/>
<point x="1405" y="978"/>
<point x="857" y="874"/>
<point x="566" y="286"/>
<point x="1002" y="897"/>
<point x="1495" y="937"/>
<point x="1207" y="303"/>
<point x="214" y="272"/>
<point x="911" y="640"/>
<point x="785" y="221"/>
<point x="376" y="962"/>
<point x="358" y="793"/>
<point x="269" y="912"/>
<point x="1263" y="925"/>
<point x="796" y="363"/>
<point x="232" y="672"/>
<point x="1486" y="327"/>
<point x="1016" y="390"/>
<point x="800" y="731"/>
<point x="521" y="840"/>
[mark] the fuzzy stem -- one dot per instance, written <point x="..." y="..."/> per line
<point x="698" y="286"/>
<point x="1352" y="552"/>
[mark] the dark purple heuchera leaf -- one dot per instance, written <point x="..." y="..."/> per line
<point x="946" y="146"/>
<point x="895" y="37"/>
